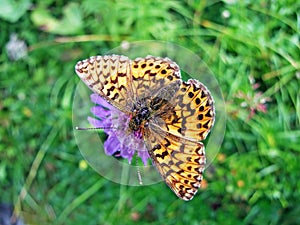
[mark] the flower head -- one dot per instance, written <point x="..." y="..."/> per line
<point x="120" y="141"/>
<point x="16" y="48"/>
<point x="254" y="101"/>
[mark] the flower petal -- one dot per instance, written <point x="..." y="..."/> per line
<point x="95" y="122"/>
<point x="127" y="153"/>
<point x="111" y="145"/>
<point x="144" y="155"/>
<point x="100" y="112"/>
<point x="100" y="101"/>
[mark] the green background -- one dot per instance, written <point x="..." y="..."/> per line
<point x="251" y="46"/>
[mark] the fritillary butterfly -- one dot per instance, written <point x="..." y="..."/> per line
<point x="171" y="115"/>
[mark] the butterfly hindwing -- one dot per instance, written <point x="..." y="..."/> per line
<point x="180" y="162"/>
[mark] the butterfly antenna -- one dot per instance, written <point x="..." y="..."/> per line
<point x="93" y="128"/>
<point x="99" y="128"/>
<point x="139" y="172"/>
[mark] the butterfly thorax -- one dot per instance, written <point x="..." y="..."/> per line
<point x="139" y="118"/>
<point x="142" y="112"/>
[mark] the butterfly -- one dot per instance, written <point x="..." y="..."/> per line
<point x="172" y="116"/>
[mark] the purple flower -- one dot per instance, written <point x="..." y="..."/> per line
<point x="120" y="141"/>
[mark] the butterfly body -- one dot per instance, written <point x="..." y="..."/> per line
<point x="172" y="116"/>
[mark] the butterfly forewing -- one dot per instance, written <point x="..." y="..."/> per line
<point x="151" y="74"/>
<point x="110" y="77"/>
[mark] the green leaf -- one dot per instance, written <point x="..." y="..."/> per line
<point x="70" y="23"/>
<point x="13" y="10"/>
